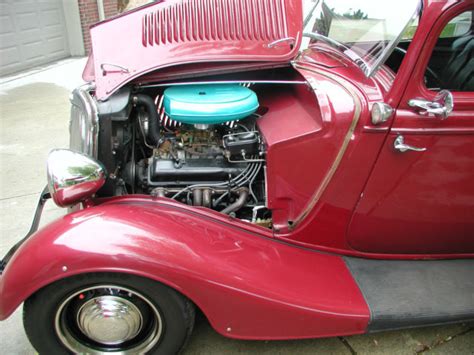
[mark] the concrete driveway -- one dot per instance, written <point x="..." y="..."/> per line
<point x="34" y="113"/>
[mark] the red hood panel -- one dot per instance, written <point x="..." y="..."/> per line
<point x="176" y="32"/>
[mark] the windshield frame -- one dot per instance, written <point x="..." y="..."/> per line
<point x="390" y="48"/>
<point x="368" y="70"/>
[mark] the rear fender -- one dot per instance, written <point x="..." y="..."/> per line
<point x="248" y="285"/>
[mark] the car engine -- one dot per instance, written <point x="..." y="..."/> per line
<point x="205" y="154"/>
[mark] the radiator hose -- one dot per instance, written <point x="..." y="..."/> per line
<point x="153" y="135"/>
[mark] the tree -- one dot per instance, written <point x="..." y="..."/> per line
<point x="356" y="15"/>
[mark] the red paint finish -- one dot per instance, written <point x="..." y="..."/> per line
<point x="260" y="288"/>
<point x="177" y="32"/>
<point x="419" y="202"/>
<point x="325" y="228"/>
<point x="364" y="200"/>
<point x="422" y="202"/>
<point x="291" y="130"/>
<point x="88" y="74"/>
<point x="326" y="224"/>
<point x="304" y="130"/>
<point x="208" y="20"/>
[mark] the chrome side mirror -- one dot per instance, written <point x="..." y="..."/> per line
<point x="73" y="177"/>
<point x="441" y="107"/>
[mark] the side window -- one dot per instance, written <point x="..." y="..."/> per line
<point x="451" y="65"/>
<point x="458" y="26"/>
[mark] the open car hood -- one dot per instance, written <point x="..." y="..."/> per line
<point x="173" y="32"/>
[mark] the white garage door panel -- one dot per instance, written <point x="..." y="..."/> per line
<point x="31" y="33"/>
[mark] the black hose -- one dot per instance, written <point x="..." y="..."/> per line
<point x="153" y="135"/>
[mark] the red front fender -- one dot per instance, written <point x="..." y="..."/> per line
<point x="248" y="285"/>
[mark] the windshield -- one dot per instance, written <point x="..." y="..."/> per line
<point x="366" y="31"/>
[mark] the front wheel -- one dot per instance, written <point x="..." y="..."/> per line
<point x="108" y="313"/>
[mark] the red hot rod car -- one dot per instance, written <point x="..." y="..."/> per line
<point x="292" y="169"/>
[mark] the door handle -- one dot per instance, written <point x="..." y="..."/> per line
<point x="399" y="144"/>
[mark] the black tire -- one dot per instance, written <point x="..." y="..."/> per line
<point x="175" y="317"/>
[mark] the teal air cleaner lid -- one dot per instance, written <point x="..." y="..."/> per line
<point x="209" y="104"/>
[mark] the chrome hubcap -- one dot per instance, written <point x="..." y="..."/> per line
<point x="109" y="320"/>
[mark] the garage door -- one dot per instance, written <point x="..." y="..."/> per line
<point x="31" y="33"/>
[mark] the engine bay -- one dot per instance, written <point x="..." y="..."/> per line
<point x="196" y="144"/>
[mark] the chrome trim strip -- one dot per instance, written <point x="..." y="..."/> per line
<point x="86" y="140"/>
<point x="440" y="130"/>
<point x="348" y="52"/>
<point x="276" y="82"/>
<point x="292" y="40"/>
<point x="355" y="120"/>
<point x="372" y="129"/>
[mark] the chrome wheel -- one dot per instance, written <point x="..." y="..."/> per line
<point x="108" y="319"/>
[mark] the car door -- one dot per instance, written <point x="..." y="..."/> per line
<point x="420" y="196"/>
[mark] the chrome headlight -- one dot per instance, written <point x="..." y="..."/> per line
<point x="73" y="177"/>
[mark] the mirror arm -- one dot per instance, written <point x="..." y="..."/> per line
<point x="441" y="107"/>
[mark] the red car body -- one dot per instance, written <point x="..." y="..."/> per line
<point x="348" y="194"/>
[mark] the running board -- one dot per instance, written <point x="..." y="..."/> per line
<point x="404" y="294"/>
